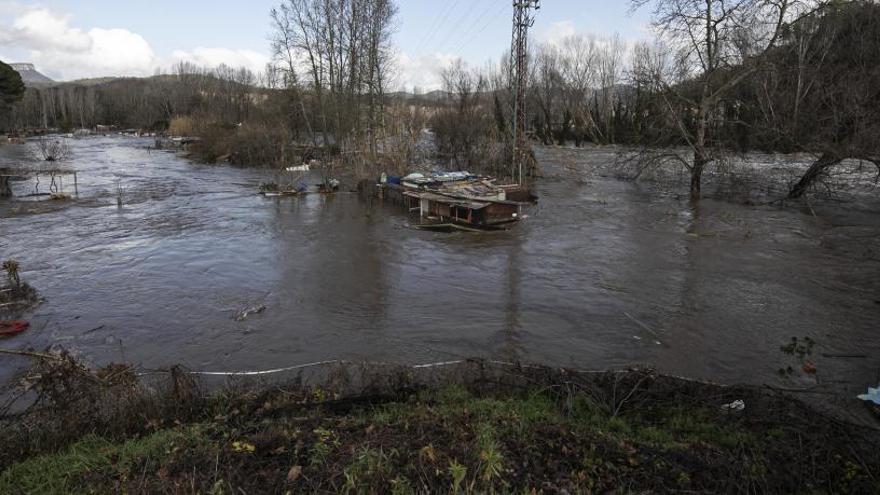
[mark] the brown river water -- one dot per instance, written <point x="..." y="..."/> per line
<point x="603" y="273"/>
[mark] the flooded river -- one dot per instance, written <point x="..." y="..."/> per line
<point x="603" y="273"/>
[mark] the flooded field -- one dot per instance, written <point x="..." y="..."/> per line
<point x="603" y="273"/>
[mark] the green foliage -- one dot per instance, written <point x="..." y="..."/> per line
<point x="11" y="86"/>
<point x="458" y="473"/>
<point x="452" y="440"/>
<point x="370" y="465"/>
<point x="327" y="441"/>
<point x="64" y="472"/>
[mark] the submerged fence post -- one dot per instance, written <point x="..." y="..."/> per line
<point x="75" y="185"/>
<point x="5" y="188"/>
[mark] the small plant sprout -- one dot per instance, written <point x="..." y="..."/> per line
<point x="11" y="267"/>
<point x="120" y="193"/>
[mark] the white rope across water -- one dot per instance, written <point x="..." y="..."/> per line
<point x="442" y="364"/>
<point x="311" y="365"/>
<point x="266" y="372"/>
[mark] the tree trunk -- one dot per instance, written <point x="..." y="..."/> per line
<point x="701" y="155"/>
<point x="5" y="189"/>
<point x="700" y="162"/>
<point x="812" y="174"/>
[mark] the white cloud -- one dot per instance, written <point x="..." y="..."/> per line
<point x="42" y="30"/>
<point x="11" y="8"/>
<point x="110" y="52"/>
<point x="64" y="52"/>
<point x="213" y="57"/>
<point x="556" y="32"/>
<point x="423" y="72"/>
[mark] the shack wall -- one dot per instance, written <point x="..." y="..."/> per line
<point x="496" y="212"/>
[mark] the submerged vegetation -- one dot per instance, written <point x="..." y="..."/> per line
<point x="507" y="429"/>
<point x="16" y="295"/>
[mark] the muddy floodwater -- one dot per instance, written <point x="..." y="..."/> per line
<point x="603" y="273"/>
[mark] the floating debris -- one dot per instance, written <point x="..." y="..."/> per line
<point x="873" y="396"/>
<point x="800" y="347"/>
<point x="872" y="400"/>
<point x="10" y="328"/>
<point x="245" y="313"/>
<point x="810" y="368"/>
<point x="735" y="406"/>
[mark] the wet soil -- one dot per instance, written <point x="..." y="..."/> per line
<point x="516" y="431"/>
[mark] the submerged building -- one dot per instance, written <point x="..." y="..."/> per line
<point x="456" y="198"/>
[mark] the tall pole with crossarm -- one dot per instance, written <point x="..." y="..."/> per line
<point x="524" y="12"/>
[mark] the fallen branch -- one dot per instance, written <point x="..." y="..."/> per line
<point x="845" y="356"/>
<point x="13" y="303"/>
<point x="31" y="354"/>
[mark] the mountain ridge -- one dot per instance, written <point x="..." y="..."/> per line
<point x="30" y="75"/>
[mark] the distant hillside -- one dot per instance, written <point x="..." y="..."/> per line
<point x="30" y="76"/>
<point x="94" y="81"/>
<point x="433" y="96"/>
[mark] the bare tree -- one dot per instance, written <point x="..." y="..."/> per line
<point x="578" y="65"/>
<point x="464" y="127"/>
<point x="835" y="53"/>
<point x="718" y="45"/>
<point x="343" y="49"/>
<point x="547" y="90"/>
<point x="51" y="150"/>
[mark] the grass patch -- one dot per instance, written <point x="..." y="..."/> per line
<point x="665" y="437"/>
<point x="94" y="459"/>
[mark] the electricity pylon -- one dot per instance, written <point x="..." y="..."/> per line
<point x="524" y="13"/>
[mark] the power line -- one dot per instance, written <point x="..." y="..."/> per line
<point x="442" y="20"/>
<point x="455" y="27"/>
<point x="467" y="41"/>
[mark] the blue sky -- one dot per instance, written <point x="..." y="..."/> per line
<point x="162" y="31"/>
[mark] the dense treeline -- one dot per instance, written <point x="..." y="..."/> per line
<point x="228" y="95"/>
<point x="11" y="87"/>
<point x="334" y="60"/>
<point x="821" y="92"/>
<point x="772" y="75"/>
<point x="577" y="93"/>
<point x="326" y="88"/>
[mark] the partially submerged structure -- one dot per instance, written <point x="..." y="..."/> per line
<point x="455" y="199"/>
<point x="54" y="177"/>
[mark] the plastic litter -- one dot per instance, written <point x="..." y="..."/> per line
<point x="872" y="396"/>
<point x="9" y="328"/>
<point x="737" y="405"/>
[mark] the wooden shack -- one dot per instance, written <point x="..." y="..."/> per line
<point x="442" y="208"/>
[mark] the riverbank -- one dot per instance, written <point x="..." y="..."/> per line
<point x="472" y="427"/>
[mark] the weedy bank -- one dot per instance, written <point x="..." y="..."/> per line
<point x="471" y="427"/>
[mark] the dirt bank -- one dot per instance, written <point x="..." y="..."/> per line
<point x="472" y="427"/>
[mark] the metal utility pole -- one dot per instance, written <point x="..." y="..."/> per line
<point x="524" y="13"/>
